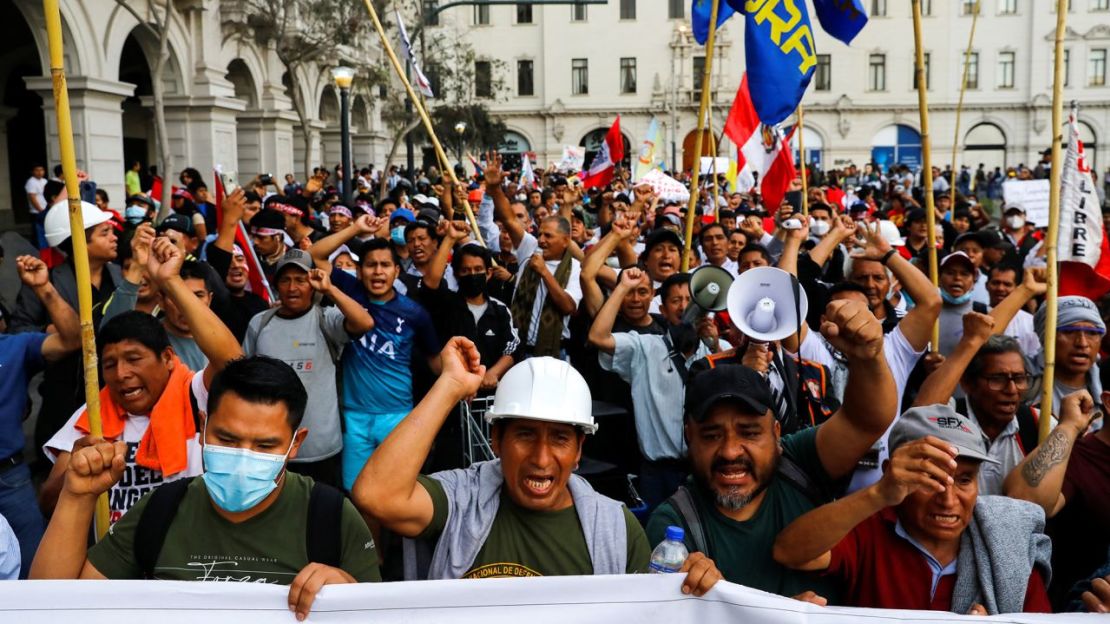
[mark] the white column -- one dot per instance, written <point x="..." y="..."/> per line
<point x="94" y="106"/>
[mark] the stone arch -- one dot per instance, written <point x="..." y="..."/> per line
<point x="123" y="27"/>
<point x="22" y="123"/>
<point x="896" y="144"/>
<point x="81" y="54"/>
<point x="592" y="139"/>
<point x="244" y="83"/>
<point x="816" y="142"/>
<point x="248" y="135"/>
<point x="710" y="145"/>
<point x="985" y="142"/>
<point x="360" y="114"/>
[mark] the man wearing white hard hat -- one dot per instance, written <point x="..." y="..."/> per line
<point x="523" y="514"/>
<point x="62" y="387"/>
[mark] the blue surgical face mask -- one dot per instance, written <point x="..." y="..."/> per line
<point x="950" y="300"/>
<point x="238" y="479"/>
<point x="397" y="235"/>
<point x="134" y="214"/>
<point x="351" y="272"/>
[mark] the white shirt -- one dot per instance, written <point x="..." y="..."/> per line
<point x="528" y="247"/>
<point x="36" y="187"/>
<point x="900" y="357"/>
<point x="137" y="480"/>
<point x="1021" y="328"/>
<point x="1006" y="450"/>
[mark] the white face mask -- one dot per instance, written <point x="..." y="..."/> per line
<point x="1015" y="222"/>
<point x="819" y="228"/>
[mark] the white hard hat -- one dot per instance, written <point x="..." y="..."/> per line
<point x="56" y="223"/>
<point x="890" y="233"/>
<point x="547" y="389"/>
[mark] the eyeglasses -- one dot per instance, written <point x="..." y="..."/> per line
<point x="998" y="382"/>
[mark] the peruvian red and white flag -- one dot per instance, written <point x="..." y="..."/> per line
<point x="608" y="155"/>
<point x="527" y="173"/>
<point x="256" y="278"/>
<point x="763" y="150"/>
<point x="1082" y="247"/>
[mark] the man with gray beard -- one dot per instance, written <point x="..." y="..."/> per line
<point x="749" y="482"/>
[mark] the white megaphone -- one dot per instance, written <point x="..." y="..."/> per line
<point x="761" y="304"/>
<point x="708" y="291"/>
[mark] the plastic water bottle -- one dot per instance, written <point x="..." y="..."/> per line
<point x="671" y="553"/>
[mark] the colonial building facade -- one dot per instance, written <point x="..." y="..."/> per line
<point x="227" y="101"/>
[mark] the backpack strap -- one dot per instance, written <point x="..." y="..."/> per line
<point x="1027" y="428"/>
<point x="677" y="360"/>
<point x="267" y="316"/>
<point x="961" y="407"/>
<point x="323" y="534"/>
<point x="801" y="480"/>
<point x="154" y="523"/>
<point x="333" y="350"/>
<point x="683" y="502"/>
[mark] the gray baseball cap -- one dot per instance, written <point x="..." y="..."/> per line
<point x="940" y="421"/>
<point x="295" y="257"/>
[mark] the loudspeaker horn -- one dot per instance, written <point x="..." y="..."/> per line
<point x="761" y="304"/>
<point x="709" y="287"/>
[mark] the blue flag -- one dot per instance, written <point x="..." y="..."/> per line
<point x="781" y="56"/>
<point x="701" y="10"/>
<point x="843" y="19"/>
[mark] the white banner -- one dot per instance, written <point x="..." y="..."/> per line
<point x="707" y="165"/>
<point x="639" y="599"/>
<point x="666" y="187"/>
<point x="1031" y="195"/>
<point x="1080" y="238"/>
<point x="573" y="159"/>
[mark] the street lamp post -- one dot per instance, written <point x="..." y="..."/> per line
<point x="460" y="130"/>
<point x="343" y="77"/>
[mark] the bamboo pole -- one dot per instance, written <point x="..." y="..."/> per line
<point x="417" y="104"/>
<point x="960" y="104"/>
<point x="706" y="85"/>
<point x="1049" y="378"/>
<point x="77" y="235"/>
<point x="802" y="157"/>
<point x="926" y="157"/>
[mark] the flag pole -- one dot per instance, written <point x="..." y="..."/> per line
<point x="440" y="154"/>
<point x="926" y="158"/>
<point x="706" y="84"/>
<point x="1048" y="379"/>
<point x="713" y="168"/>
<point x="77" y="236"/>
<point x="802" y="157"/>
<point x="960" y="104"/>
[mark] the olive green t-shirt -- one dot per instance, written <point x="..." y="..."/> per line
<point x="523" y="542"/>
<point x="201" y="545"/>
<point x="742" y="550"/>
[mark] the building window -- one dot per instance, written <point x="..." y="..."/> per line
<point x="523" y="14"/>
<point x="430" y="13"/>
<point x="525" y="83"/>
<point x="927" y="8"/>
<point x="676" y="9"/>
<point x="698" y="76"/>
<point x="876" y="72"/>
<point x="1006" y="70"/>
<point x="1007" y="7"/>
<point x="628" y="9"/>
<point x="481" y="15"/>
<point x="967" y="7"/>
<point x="1067" y="68"/>
<point x="628" y="75"/>
<point x="1100" y="5"/>
<point x="878" y="8"/>
<point x="973" y="70"/>
<point x="578" y="13"/>
<point x="1096" y="68"/>
<point x="823" y="76"/>
<point x="928" y="76"/>
<point x="483" y="79"/>
<point x="579" y="76"/>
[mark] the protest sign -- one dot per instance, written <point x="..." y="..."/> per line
<point x="538" y="600"/>
<point x="573" y="158"/>
<point x="1031" y="196"/>
<point x="666" y="187"/>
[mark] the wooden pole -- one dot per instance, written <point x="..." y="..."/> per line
<point x="416" y="102"/>
<point x="926" y="158"/>
<point x="1049" y="379"/>
<point x="960" y="104"/>
<point x="77" y="235"/>
<point x="802" y="158"/>
<point x="706" y="85"/>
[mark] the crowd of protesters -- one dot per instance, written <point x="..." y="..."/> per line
<point x="315" y="375"/>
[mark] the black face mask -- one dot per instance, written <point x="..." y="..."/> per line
<point x="472" y="285"/>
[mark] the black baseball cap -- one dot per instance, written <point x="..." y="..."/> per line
<point x="731" y="383"/>
<point x="915" y="214"/>
<point x="179" y="222"/>
<point x="659" y="236"/>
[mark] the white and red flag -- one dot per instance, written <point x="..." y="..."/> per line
<point x="763" y="150"/>
<point x="256" y="278"/>
<point x="1082" y="247"/>
<point x="604" y="163"/>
